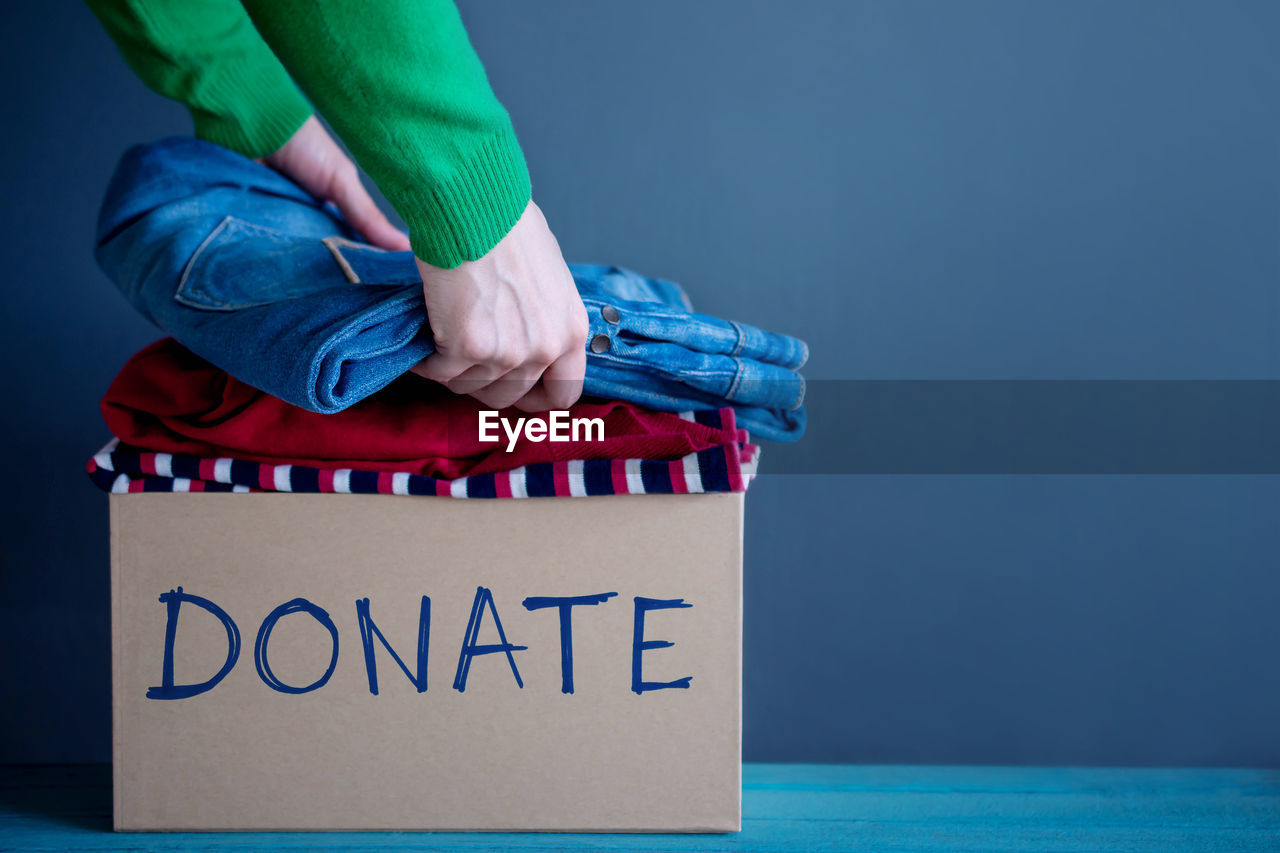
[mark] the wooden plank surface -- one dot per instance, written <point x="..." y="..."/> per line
<point x="785" y="807"/>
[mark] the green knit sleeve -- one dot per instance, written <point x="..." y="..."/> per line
<point x="401" y="85"/>
<point x="207" y="55"/>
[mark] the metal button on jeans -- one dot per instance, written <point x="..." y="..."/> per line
<point x="600" y="343"/>
<point x="610" y="315"/>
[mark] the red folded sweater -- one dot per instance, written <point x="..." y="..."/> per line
<point x="169" y="400"/>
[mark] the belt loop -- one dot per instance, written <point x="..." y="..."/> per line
<point x="742" y="337"/>
<point x="732" y="392"/>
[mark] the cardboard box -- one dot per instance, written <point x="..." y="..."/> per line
<point x="314" y="588"/>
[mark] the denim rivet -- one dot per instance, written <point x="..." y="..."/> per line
<point x="610" y="315"/>
<point x="600" y="343"/>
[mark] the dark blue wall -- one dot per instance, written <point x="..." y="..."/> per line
<point x="944" y="189"/>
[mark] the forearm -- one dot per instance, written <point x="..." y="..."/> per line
<point x="207" y="55"/>
<point x="399" y="82"/>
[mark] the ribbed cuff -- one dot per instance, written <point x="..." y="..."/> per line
<point x="262" y="111"/>
<point x="465" y="215"/>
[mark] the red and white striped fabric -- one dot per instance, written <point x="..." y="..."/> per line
<point x="119" y="469"/>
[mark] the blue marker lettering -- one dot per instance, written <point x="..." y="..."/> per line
<point x="368" y="630"/>
<point x="297" y="605"/>
<point x="639" y="645"/>
<point x="566" y="605"/>
<point x="470" y="648"/>
<point x="173" y="602"/>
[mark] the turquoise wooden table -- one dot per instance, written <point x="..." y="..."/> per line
<point x="785" y="807"/>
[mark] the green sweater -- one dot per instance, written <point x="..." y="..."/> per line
<point x="396" y="79"/>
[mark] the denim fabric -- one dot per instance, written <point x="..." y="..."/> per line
<point x="253" y="274"/>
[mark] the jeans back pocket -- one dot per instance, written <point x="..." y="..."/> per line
<point x="244" y="265"/>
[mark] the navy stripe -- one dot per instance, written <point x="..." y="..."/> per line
<point x="420" y="485"/>
<point x="364" y="482"/>
<point x="708" y="417"/>
<point x="597" y="476"/>
<point x="304" y="479"/>
<point x="540" y="482"/>
<point x="656" y="477"/>
<point x="186" y="466"/>
<point x="126" y="461"/>
<point x="715" y="470"/>
<point x="481" y="486"/>
<point x="245" y="473"/>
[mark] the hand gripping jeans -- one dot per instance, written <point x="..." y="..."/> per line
<point x="250" y="272"/>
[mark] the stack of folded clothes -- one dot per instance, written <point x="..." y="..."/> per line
<point x="181" y="424"/>
<point x="289" y="371"/>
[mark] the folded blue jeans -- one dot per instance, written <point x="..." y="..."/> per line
<point x="253" y="274"/>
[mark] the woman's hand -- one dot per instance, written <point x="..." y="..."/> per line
<point x="313" y="161"/>
<point x="510" y="328"/>
<point x="508" y="320"/>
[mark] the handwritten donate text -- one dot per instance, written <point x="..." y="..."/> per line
<point x="471" y="647"/>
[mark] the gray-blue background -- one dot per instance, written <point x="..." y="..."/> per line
<point x="949" y="189"/>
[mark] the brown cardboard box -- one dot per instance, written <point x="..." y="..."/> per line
<point x="493" y="756"/>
